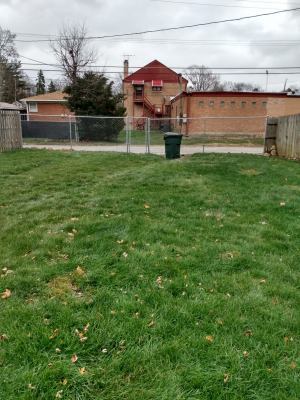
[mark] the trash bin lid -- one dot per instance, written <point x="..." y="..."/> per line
<point x="172" y="134"/>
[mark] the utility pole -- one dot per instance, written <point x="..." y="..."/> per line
<point x="267" y="80"/>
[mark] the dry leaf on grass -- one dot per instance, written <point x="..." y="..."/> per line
<point x="74" y="358"/>
<point x="82" y="371"/>
<point x="80" y="271"/>
<point x="3" y="337"/>
<point x="226" y="378"/>
<point x="59" y="394"/>
<point x="54" y="334"/>
<point x="245" y="354"/>
<point x="146" y="206"/>
<point x="293" y="365"/>
<point x="209" y="338"/>
<point x="31" y="387"/>
<point x="151" y="324"/>
<point x="6" y="294"/>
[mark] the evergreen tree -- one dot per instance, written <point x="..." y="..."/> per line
<point x="51" y="87"/>
<point x="40" y="85"/>
<point x="92" y="95"/>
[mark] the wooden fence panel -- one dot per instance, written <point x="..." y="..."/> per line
<point x="285" y="131"/>
<point x="10" y="130"/>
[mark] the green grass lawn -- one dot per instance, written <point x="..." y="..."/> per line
<point x="131" y="277"/>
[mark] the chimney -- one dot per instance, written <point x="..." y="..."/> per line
<point x="126" y="68"/>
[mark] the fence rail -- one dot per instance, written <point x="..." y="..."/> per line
<point x="141" y="134"/>
<point x="10" y="130"/>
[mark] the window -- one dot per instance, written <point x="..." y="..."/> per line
<point x="201" y="104"/>
<point x="232" y="104"/>
<point x="264" y="104"/>
<point x="211" y="103"/>
<point x="254" y="103"/>
<point x="222" y="104"/>
<point x="156" y="88"/>
<point x="32" y="107"/>
<point x="243" y="104"/>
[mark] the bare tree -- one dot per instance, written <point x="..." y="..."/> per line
<point x="202" y="79"/>
<point x="72" y="51"/>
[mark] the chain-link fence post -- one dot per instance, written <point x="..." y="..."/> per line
<point x="128" y="135"/>
<point x="70" y="131"/>
<point x="147" y="134"/>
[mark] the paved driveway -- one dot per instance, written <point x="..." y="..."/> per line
<point x="159" y="150"/>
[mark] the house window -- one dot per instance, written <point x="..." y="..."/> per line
<point x="243" y="104"/>
<point x="32" y="107"/>
<point x="211" y="103"/>
<point x="264" y="104"/>
<point x="254" y="103"/>
<point x="222" y="104"/>
<point x="156" y="88"/>
<point x="232" y="104"/>
<point x="201" y="104"/>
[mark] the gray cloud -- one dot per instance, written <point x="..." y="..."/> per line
<point x="117" y="16"/>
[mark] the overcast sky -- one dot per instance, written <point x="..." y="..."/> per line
<point x="263" y="42"/>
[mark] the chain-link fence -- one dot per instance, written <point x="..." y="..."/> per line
<point x="141" y="134"/>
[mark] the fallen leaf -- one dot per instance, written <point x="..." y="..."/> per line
<point x="82" y="371"/>
<point x="74" y="219"/>
<point x="6" y="294"/>
<point x="226" y="378"/>
<point x="293" y="365"/>
<point x="282" y="204"/>
<point x="3" y="337"/>
<point x="65" y="382"/>
<point x="151" y="324"/>
<point x="125" y="254"/>
<point x="31" y="387"/>
<point x="262" y="281"/>
<point x="59" y="394"/>
<point x="248" y="333"/>
<point x="54" y="334"/>
<point x="57" y="350"/>
<point x="120" y="241"/>
<point x="209" y="338"/>
<point x="104" y="351"/>
<point x="74" y="358"/>
<point x="146" y="206"/>
<point x="245" y="354"/>
<point x="159" y="281"/>
<point x="80" y="271"/>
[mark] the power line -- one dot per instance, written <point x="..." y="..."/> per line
<point x="193" y="3"/>
<point x="215" y="73"/>
<point x="174" y="28"/>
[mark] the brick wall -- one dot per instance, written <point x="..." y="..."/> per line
<point x="235" y="113"/>
<point x="159" y="99"/>
<point x="44" y="110"/>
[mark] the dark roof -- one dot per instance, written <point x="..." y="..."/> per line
<point x="58" y="96"/>
<point x="155" y="70"/>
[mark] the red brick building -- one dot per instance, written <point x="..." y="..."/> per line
<point x="236" y="112"/>
<point x="149" y="91"/>
<point x="47" y="107"/>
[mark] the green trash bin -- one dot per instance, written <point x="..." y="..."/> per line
<point x="172" y="145"/>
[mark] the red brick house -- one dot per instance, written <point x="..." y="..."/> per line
<point x="148" y="91"/>
<point x="47" y="107"/>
